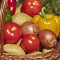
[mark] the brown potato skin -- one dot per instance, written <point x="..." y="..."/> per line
<point x="48" y="38"/>
<point x="30" y="28"/>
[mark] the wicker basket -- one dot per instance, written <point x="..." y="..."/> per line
<point x="52" y="55"/>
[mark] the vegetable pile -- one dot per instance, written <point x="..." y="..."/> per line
<point x="29" y="28"/>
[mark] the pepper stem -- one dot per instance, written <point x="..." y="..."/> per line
<point x="18" y="43"/>
<point x="43" y="13"/>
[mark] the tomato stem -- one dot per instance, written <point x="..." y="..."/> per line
<point x="43" y="13"/>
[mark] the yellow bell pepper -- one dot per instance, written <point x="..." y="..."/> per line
<point x="59" y="23"/>
<point x="51" y="23"/>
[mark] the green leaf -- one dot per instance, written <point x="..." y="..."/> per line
<point x="53" y="6"/>
<point x="8" y="16"/>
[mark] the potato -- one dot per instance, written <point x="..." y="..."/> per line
<point x="47" y="38"/>
<point x="20" y="18"/>
<point x="13" y="49"/>
<point x="30" y="28"/>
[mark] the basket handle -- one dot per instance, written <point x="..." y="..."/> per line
<point x="2" y="18"/>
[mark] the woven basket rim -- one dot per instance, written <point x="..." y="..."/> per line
<point x="52" y="55"/>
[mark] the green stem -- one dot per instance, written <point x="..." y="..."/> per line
<point x="43" y="13"/>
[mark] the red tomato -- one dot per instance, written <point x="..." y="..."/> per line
<point x="31" y="7"/>
<point x="12" y="6"/>
<point x="30" y="43"/>
<point x="12" y="32"/>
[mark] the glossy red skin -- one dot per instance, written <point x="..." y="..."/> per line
<point x="12" y="6"/>
<point x="12" y="32"/>
<point x="31" y="7"/>
<point x="30" y="43"/>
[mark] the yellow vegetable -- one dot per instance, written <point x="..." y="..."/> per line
<point x="36" y="52"/>
<point x="18" y="9"/>
<point x="46" y="50"/>
<point x="51" y="23"/>
<point x="20" y="18"/>
<point x="13" y="49"/>
<point x="59" y="23"/>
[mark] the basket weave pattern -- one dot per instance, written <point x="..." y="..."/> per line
<point x="2" y="18"/>
<point x="53" y="55"/>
